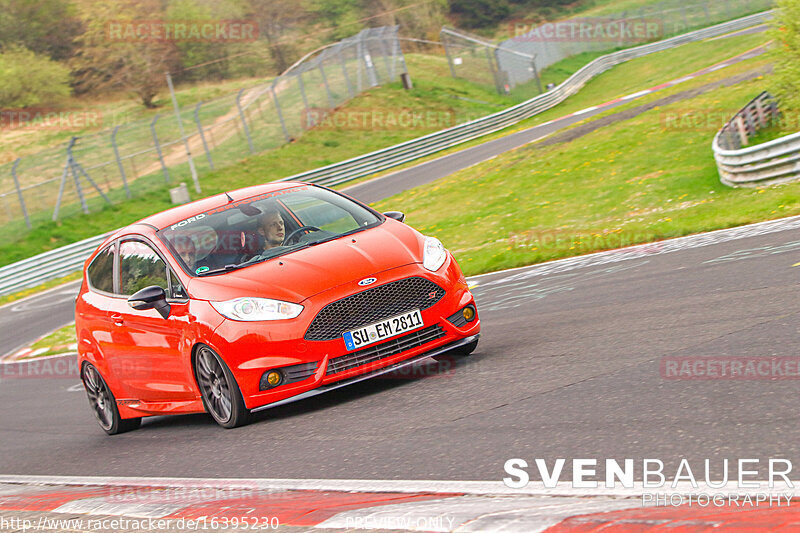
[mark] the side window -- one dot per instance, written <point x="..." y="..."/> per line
<point x="140" y="267"/>
<point x="101" y="271"/>
<point x="176" y="287"/>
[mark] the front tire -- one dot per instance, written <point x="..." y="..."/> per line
<point x="221" y="395"/>
<point x="103" y="403"/>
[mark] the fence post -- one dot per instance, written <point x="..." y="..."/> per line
<point x="19" y="193"/>
<point x="75" y="177"/>
<point x="344" y="72"/>
<point x="119" y="162"/>
<point x="202" y="135"/>
<point x="301" y="85"/>
<point x="158" y="149"/>
<point x="497" y="82"/>
<point x="382" y="44"/>
<point x="61" y="188"/>
<point x="280" y="114"/>
<point x="369" y="66"/>
<point x="442" y="35"/>
<point x="244" y="120"/>
<point x="331" y="102"/>
<point x="185" y="140"/>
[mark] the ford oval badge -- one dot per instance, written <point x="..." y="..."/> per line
<point x="367" y="281"/>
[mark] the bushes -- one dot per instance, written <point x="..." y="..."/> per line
<point x="30" y="79"/>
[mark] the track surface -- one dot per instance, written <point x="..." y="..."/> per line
<point x="568" y="367"/>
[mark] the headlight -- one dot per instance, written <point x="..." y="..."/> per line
<point x="434" y="255"/>
<point x="254" y="309"/>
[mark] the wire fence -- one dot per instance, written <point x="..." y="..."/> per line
<point x="518" y="61"/>
<point x="135" y="158"/>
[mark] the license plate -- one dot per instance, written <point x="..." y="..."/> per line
<point x="358" y="338"/>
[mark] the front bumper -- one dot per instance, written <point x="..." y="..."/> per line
<point x="251" y="349"/>
<point x="369" y="375"/>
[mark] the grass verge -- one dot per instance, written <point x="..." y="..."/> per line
<point x="630" y="182"/>
<point x="434" y="92"/>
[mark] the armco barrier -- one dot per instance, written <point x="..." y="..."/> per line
<point x="60" y="262"/>
<point x="47" y="266"/>
<point x="777" y="161"/>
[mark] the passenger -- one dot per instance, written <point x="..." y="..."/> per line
<point x="186" y="249"/>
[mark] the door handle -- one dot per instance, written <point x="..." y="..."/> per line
<point x="117" y="319"/>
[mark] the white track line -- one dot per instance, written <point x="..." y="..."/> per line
<point x="562" y="489"/>
<point x="638" y="251"/>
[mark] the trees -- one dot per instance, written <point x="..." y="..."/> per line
<point x="480" y="13"/>
<point x="30" y="79"/>
<point x="46" y="27"/>
<point x="277" y="19"/>
<point x="105" y="62"/>
<point x="786" y="32"/>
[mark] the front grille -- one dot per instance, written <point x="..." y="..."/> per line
<point x="385" y="349"/>
<point x="373" y="305"/>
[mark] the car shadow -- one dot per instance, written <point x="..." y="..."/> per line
<point x="441" y="366"/>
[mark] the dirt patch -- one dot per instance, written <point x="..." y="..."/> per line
<point x="589" y="127"/>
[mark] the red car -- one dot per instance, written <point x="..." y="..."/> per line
<point x="258" y="297"/>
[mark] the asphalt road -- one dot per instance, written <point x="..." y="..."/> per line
<point x="569" y="366"/>
<point x="26" y="320"/>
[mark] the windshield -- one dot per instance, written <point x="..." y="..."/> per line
<point x="246" y="232"/>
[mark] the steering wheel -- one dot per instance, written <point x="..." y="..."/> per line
<point x="307" y="229"/>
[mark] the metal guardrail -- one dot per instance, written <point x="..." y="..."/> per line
<point x="49" y="265"/>
<point x="64" y="260"/>
<point x="399" y="154"/>
<point x="776" y="161"/>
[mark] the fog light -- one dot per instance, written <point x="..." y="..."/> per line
<point x="469" y="313"/>
<point x="271" y="379"/>
<point x="274" y="378"/>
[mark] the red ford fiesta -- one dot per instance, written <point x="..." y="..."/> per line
<point x="258" y="297"/>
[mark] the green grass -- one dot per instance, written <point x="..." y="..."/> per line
<point x="112" y="111"/>
<point x="8" y="298"/>
<point x="442" y="100"/>
<point x="434" y="90"/>
<point x="56" y="342"/>
<point x="635" y="75"/>
<point x="631" y="182"/>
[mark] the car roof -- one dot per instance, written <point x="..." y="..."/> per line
<point x="176" y="214"/>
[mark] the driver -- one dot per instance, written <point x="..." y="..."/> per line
<point x="271" y="227"/>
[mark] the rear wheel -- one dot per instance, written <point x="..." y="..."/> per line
<point x="103" y="404"/>
<point x="222" y="397"/>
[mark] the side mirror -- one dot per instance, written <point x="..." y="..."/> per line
<point x="397" y="215"/>
<point x="152" y="297"/>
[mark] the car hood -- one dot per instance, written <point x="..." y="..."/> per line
<point x="300" y="275"/>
